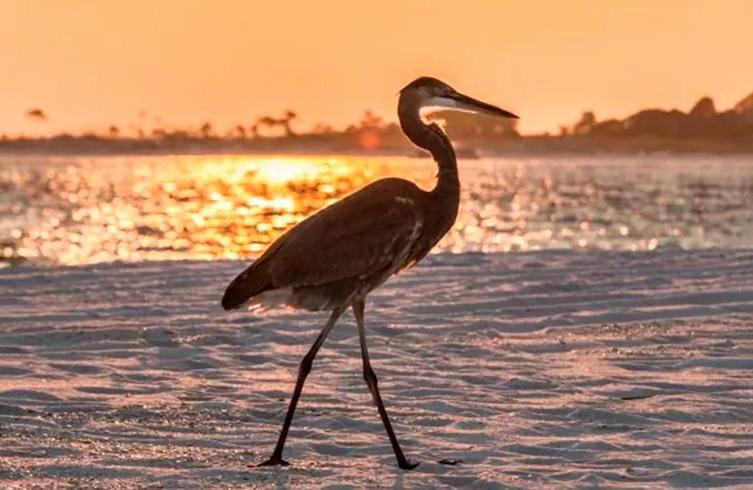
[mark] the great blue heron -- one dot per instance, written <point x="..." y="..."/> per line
<point x="336" y="257"/>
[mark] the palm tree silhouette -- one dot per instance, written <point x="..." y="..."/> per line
<point x="287" y="118"/>
<point x="206" y="130"/>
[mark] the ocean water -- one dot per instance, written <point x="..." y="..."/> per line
<point x="80" y="210"/>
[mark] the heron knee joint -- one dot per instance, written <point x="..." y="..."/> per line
<point x="369" y="375"/>
<point x="304" y="368"/>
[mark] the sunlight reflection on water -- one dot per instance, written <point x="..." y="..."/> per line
<point x="74" y="210"/>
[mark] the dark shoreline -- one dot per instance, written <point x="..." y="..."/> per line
<point x="530" y="147"/>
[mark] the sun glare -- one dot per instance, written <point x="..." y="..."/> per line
<point x="284" y="171"/>
<point x="278" y="171"/>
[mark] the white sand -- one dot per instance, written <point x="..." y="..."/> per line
<point x="538" y="370"/>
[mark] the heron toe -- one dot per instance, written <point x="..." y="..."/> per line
<point x="273" y="461"/>
<point x="407" y="465"/>
<point x="450" y="462"/>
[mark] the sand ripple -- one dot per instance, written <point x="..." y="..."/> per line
<point x="552" y="369"/>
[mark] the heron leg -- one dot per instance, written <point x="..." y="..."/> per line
<point x="371" y="381"/>
<point x="303" y="370"/>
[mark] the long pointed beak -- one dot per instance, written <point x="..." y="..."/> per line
<point x="466" y="103"/>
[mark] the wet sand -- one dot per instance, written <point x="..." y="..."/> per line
<point x="537" y="370"/>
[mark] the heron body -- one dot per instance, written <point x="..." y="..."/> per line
<point x="336" y="257"/>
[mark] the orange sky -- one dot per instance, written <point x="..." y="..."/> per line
<point x="92" y="62"/>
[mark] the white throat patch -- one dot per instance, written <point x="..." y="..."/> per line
<point x="442" y="102"/>
<point x="448" y="103"/>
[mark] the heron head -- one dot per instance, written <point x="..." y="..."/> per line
<point x="429" y="92"/>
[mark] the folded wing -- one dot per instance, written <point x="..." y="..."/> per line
<point x="365" y="234"/>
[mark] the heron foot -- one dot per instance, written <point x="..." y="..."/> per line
<point x="407" y="465"/>
<point x="450" y="462"/>
<point x="274" y="461"/>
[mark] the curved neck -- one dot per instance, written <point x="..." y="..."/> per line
<point x="431" y="138"/>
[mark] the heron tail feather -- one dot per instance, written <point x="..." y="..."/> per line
<point x="249" y="283"/>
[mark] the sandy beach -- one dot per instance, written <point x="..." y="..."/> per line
<point x="538" y="369"/>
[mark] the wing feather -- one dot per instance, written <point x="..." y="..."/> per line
<point x="362" y="234"/>
<point x="359" y="235"/>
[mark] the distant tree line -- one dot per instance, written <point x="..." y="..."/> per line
<point x="702" y="121"/>
<point x="703" y="128"/>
